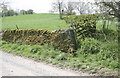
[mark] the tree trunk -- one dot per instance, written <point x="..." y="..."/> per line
<point x="108" y="23"/>
<point x="104" y="24"/>
<point x="119" y="36"/>
<point x="60" y="12"/>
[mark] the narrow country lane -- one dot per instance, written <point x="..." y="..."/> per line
<point x="12" y="65"/>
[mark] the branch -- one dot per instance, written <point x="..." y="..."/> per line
<point x="113" y="7"/>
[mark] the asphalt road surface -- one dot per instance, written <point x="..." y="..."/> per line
<point x="12" y="65"/>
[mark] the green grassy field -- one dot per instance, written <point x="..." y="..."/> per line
<point x="35" y="21"/>
<point x="42" y="21"/>
<point x="112" y="25"/>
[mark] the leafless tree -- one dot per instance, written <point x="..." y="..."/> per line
<point x="69" y="8"/>
<point x="109" y="10"/>
<point x="84" y="7"/>
<point x="58" y="6"/>
<point x="3" y="5"/>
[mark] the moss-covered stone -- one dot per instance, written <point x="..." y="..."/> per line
<point x="60" y="39"/>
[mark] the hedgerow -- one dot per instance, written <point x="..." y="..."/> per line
<point x="84" y="24"/>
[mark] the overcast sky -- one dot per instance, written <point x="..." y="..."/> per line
<point x="39" y="6"/>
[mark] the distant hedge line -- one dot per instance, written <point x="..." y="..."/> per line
<point x="59" y="39"/>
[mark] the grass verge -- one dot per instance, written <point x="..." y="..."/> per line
<point x="92" y="63"/>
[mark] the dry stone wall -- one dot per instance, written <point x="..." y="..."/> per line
<point x="63" y="39"/>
